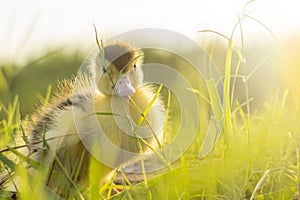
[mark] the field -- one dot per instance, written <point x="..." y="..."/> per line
<point x="250" y="151"/>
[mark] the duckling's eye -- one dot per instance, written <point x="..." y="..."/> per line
<point x="134" y="66"/>
<point x="103" y="69"/>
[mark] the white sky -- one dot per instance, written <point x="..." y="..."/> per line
<point x="30" y="25"/>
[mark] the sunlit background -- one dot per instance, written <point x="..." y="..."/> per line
<point x="29" y="26"/>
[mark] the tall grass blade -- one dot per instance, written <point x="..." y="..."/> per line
<point x="10" y="164"/>
<point x="216" y="125"/>
<point x="33" y="163"/>
<point x="143" y="115"/>
<point x="167" y="116"/>
<point x="215" y="101"/>
<point x="226" y="95"/>
<point x="260" y="183"/>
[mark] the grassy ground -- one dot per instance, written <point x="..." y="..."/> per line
<point x="256" y="155"/>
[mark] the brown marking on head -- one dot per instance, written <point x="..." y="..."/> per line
<point x="120" y="55"/>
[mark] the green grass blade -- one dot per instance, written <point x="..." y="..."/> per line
<point x="13" y="111"/>
<point x="143" y="115"/>
<point x="211" y="138"/>
<point x="80" y="196"/>
<point x="106" y="113"/>
<point x="145" y="112"/>
<point x="236" y="75"/>
<point x="257" y="67"/>
<point x="10" y="164"/>
<point x="33" y="163"/>
<point x="260" y="183"/>
<point x="130" y="63"/>
<point x="215" y="101"/>
<point x="226" y="94"/>
<point x="200" y="94"/>
<point x="215" y="127"/>
<point x="77" y="171"/>
<point x="244" y="118"/>
<point x="167" y="116"/>
<point x="24" y="137"/>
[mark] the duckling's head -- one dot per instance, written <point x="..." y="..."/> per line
<point x="122" y="73"/>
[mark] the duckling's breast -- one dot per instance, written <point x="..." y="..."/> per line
<point x="122" y="121"/>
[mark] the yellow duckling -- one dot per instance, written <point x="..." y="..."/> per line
<point x="99" y="117"/>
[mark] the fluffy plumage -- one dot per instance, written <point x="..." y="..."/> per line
<point x="70" y="122"/>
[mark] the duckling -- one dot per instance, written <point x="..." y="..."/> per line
<point x="97" y="117"/>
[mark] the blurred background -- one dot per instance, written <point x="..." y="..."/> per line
<point x="45" y="41"/>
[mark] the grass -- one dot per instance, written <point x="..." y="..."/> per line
<point x="248" y="153"/>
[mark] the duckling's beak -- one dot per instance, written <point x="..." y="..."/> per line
<point x="124" y="87"/>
